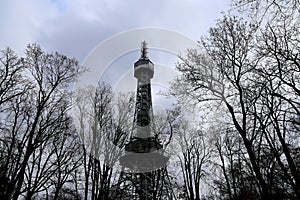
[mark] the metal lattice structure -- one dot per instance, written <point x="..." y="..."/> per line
<point x="143" y="162"/>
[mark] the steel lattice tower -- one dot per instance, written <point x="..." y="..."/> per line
<point x="143" y="152"/>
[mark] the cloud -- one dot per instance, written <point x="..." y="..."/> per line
<point x="74" y="27"/>
<point x="21" y="20"/>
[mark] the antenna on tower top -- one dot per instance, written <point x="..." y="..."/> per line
<point x="144" y="49"/>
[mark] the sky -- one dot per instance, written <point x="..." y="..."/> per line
<point x="77" y="28"/>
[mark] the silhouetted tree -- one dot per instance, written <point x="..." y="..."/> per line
<point x="251" y="67"/>
<point x="33" y="117"/>
<point x="104" y="127"/>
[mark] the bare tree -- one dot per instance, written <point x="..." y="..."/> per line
<point x="278" y="50"/>
<point x="103" y="134"/>
<point x="194" y="155"/>
<point x="35" y="116"/>
<point x="11" y="80"/>
<point x="224" y="73"/>
<point x="251" y="67"/>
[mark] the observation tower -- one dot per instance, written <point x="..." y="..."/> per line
<point x="143" y="157"/>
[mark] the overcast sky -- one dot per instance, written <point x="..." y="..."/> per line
<point x="74" y="27"/>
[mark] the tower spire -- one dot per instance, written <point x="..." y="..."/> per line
<point x="144" y="50"/>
